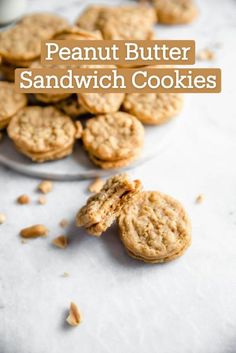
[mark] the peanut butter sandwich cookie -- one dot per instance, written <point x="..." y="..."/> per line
<point x="153" y="108"/>
<point x="113" y="139"/>
<point x="173" y="12"/>
<point x="10" y="102"/>
<point x="154" y="227"/>
<point x="103" y="208"/>
<point x="71" y="106"/>
<point x="127" y="22"/>
<point x="43" y="133"/>
<point x="101" y="103"/>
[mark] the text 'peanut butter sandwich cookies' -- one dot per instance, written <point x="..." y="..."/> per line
<point x="10" y="102"/>
<point x="104" y="207"/>
<point x="113" y="140"/>
<point x="43" y="134"/>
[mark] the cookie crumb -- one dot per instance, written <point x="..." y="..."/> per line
<point x="45" y="186"/>
<point x="199" y="198"/>
<point x="38" y="230"/>
<point x="23" y="241"/>
<point x="206" y="55"/>
<point x="63" y="223"/>
<point x="2" y="218"/>
<point x="96" y="185"/>
<point x="74" y="317"/>
<point x="23" y="199"/>
<point x="65" y="274"/>
<point x="61" y="242"/>
<point x="42" y="200"/>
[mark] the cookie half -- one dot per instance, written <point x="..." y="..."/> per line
<point x="103" y="208"/>
<point x="154" y="227"/>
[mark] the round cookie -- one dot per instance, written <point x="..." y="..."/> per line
<point x="10" y="102"/>
<point x="43" y="133"/>
<point x="113" y="137"/>
<point x="153" y="108"/>
<point x="173" y="12"/>
<point x="101" y="103"/>
<point x="127" y="22"/>
<point x="23" y="41"/>
<point x="154" y="227"/>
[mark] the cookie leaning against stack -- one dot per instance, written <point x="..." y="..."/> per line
<point x="153" y="226"/>
<point x="113" y="140"/>
<point x="10" y="102"/>
<point x="43" y="134"/>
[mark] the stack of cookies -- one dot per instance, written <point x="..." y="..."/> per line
<point x="153" y="226"/>
<point x="113" y="135"/>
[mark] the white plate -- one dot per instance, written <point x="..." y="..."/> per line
<point x="78" y="166"/>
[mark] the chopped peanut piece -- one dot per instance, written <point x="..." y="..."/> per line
<point x="65" y="274"/>
<point x="45" y="186"/>
<point x="61" y="242"/>
<point x="23" y="199"/>
<point x="206" y="54"/>
<point x="199" y="198"/>
<point x="35" y="231"/>
<point x="42" y="200"/>
<point x="63" y="223"/>
<point x="96" y="185"/>
<point x="74" y="317"/>
<point x="2" y="218"/>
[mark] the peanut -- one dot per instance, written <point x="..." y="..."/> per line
<point x="35" y="231"/>
<point x="45" y="186"/>
<point x="23" y="199"/>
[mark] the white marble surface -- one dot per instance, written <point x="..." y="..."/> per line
<point x="187" y="306"/>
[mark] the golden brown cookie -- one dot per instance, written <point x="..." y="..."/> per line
<point x="103" y="208"/>
<point x="10" y="102"/>
<point x="154" y="227"/>
<point x="71" y="106"/>
<point x="43" y="133"/>
<point x="114" y="136"/>
<point x="23" y="41"/>
<point x="101" y="103"/>
<point x="153" y="108"/>
<point x="89" y="17"/>
<point x="173" y="12"/>
<point x="127" y="22"/>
